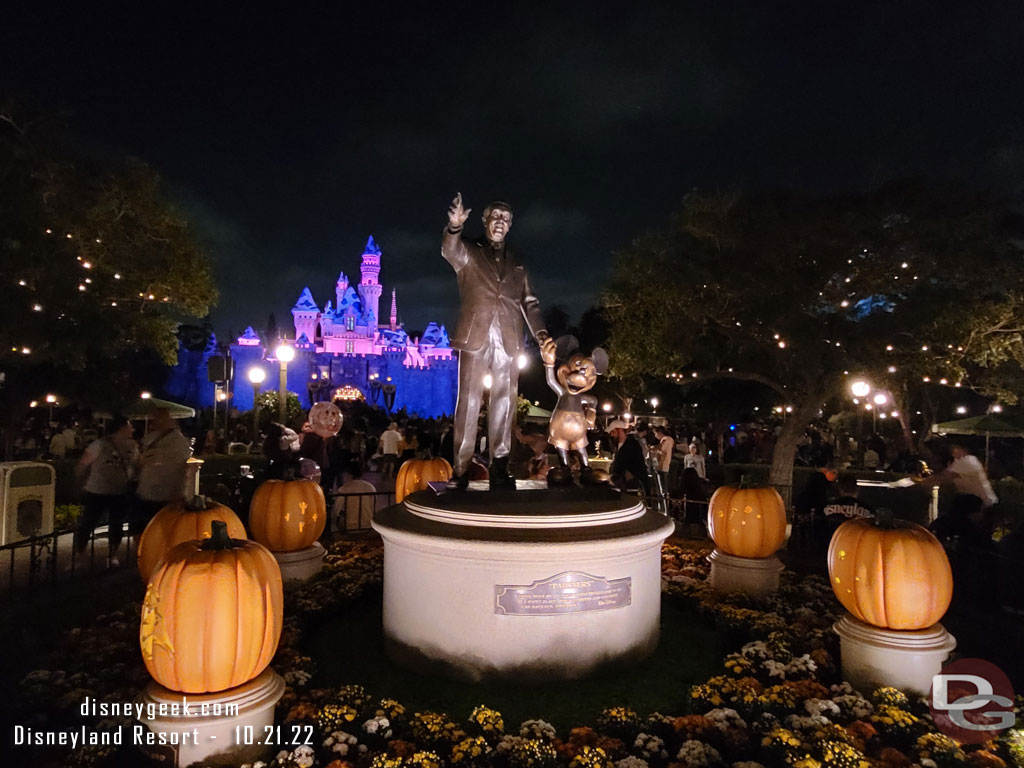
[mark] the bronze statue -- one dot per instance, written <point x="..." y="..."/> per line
<point x="575" y="412"/>
<point x="496" y="297"/>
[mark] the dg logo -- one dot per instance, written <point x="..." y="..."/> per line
<point x="971" y="701"/>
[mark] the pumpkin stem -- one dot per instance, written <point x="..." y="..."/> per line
<point x="219" y="538"/>
<point x="289" y="473"/>
<point x="744" y="481"/>
<point x="884" y="518"/>
<point x="196" y="504"/>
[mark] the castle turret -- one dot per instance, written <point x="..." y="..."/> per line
<point x="394" y="310"/>
<point x="369" y="286"/>
<point x="339" y="288"/>
<point x="306" y="315"/>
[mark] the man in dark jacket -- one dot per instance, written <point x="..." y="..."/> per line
<point x="629" y="467"/>
<point x="496" y="297"/>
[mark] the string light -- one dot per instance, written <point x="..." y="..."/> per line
<point x="782" y="345"/>
<point x="888" y="347"/>
<point x="844" y="303"/>
<point x="26" y="351"/>
<point x="117" y="275"/>
<point x="68" y="235"/>
<point x="37" y="307"/>
<point x="81" y="287"/>
<point x="943" y="381"/>
<point x="924" y="347"/>
<point x="925" y="379"/>
<point x="892" y="369"/>
<point x="87" y="265"/>
<point x="22" y="283"/>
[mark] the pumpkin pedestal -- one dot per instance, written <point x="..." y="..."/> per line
<point x="225" y="728"/>
<point x="749" y="575"/>
<point x="301" y="565"/>
<point x="905" y="659"/>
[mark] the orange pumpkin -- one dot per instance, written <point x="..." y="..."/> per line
<point x="890" y="573"/>
<point x="182" y="521"/>
<point x="747" y="522"/>
<point x="416" y="473"/>
<point x="288" y="515"/>
<point x="212" y="615"/>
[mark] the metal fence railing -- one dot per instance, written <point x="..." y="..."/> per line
<point x="52" y="558"/>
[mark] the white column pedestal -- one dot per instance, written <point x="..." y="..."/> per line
<point x="301" y="565"/>
<point x="750" y="575"/>
<point x="905" y="659"/>
<point x="225" y="728"/>
<point x="521" y="585"/>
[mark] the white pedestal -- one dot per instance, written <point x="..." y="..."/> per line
<point x="300" y="565"/>
<point x="750" y="575"/>
<point x="905" y="659"/>
<point x="225" y="728"/>
<point x="539" y="584"/>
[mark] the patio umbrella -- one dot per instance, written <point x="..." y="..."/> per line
<point x="987" y="425"/>
<point x="143" y="409"/>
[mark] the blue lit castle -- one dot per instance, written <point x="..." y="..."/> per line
<point x="342" y="352"/>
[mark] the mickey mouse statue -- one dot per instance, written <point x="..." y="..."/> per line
<point x="575" y="411"/>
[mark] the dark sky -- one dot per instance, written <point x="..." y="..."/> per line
<point x="290" y="137"/>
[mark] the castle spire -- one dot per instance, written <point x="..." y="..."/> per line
<point x="394" y="310"/>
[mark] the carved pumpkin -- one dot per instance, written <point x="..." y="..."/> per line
<point x="890" y="573"/>
<point x="416" y="473"/>
<point x="182" y="521"/>
<point x="212" y="615"/>
<point x="287" y="515"/>
<point x="747" y="522"/>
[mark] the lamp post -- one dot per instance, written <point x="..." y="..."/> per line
<point x="51" y="401"/>
<point x="256" y="376"/>
<point x="285" y="354"/>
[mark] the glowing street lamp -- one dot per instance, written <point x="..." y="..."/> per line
<point x="654" y="403"/>
<point x="860" y="388"/>
<point x="256" y="376"/>
<point x="284" y="354"/>
<point x="606" y="407"/>
<point x="881" y="398"/>
<point x="51" y="400"/>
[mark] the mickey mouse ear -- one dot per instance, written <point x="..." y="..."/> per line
<point x="600" y="358"/>
<point x="565" y="346"/>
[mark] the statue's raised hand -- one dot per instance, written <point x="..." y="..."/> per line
<point x="457" y="215"/>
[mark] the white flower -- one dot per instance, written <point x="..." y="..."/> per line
<point x="631" y="762"/>
<point x="805" y="723"/>
<point x="824" y="707"/>
<point x="697" y="754"/>
<point x="927" y="763"/>
<point x="800" y="666"/>
<point x="726" y="719"/>
<point x="379" y="725"/>
<point x="747" y="764"/>
<point x="853" y="705"/>
<point x="538" y="729"/>
<point x="756" y="651"/>
<point x="774" y="668"/>
<point x="650" y="746"/>
<point x="341" y="742"/>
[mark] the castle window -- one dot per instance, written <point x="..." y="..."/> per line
<point x="350" y="323"/>
<point x="350" y="347"/>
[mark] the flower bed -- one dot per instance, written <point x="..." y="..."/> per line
<point x="778" y="700"/>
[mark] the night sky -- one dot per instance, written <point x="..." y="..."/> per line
<point x="291" y="137"/>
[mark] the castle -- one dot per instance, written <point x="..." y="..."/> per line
<point x="342" y="352"/>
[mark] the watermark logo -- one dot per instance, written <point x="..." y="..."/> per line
<point x="971" y="701"/>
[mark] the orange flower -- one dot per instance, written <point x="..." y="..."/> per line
<point x="402" y="749"/>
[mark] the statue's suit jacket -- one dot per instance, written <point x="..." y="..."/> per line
<point x="490" y="290"/>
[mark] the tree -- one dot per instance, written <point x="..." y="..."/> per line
<point x="801" y="294"/>
<point x="97" y="263"/>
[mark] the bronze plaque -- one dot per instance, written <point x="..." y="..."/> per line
<point x="567" y="592"/>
